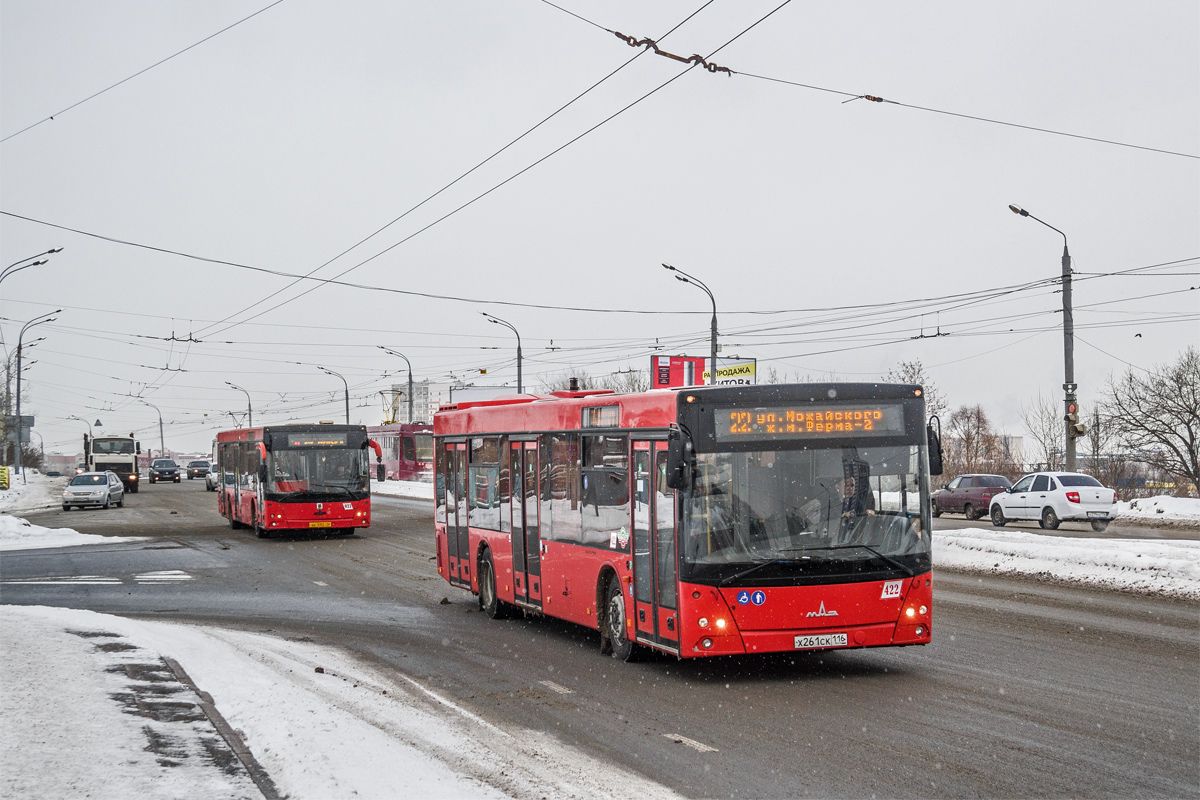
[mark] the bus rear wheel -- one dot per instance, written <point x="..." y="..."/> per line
<point x="615" y="625"/>
<point x="490" y="602"/>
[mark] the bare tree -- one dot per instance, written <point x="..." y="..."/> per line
<point x="970" y="443"/>
<point x="1157" y="415"/>
<point x="1047" y="429"/>
<point x="914" y="372"/>
<point x="627" y="381"/>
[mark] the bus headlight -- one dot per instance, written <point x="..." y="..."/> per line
<point x="720" y="624"/>
<point x="703" y="622"/>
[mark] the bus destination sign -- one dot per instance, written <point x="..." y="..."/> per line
<point x="764" y="423"/>
<point x="316" y="440"/>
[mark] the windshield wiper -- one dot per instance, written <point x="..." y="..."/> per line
<point x="738" y="575"/>
<point x="897" y="564"/>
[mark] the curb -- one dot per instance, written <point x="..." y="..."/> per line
<point x="257" y="774"/>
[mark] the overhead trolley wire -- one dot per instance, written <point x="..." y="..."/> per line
<point x="140" y="72"/>
<point x="380" y="230"/>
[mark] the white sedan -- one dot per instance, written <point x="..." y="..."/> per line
<point x="103" y="489"/>
<point x="1054" y="497"/>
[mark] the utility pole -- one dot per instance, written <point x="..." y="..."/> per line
<point x="410" y="380"/>
<point x="1074" y="428"/>
<point x="39" y="320"/>
<point x="684" y="277"/>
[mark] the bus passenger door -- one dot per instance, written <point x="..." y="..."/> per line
<point x="457" y="542"/>
<point x="654" y="564"/>
<point x="527" y="583"/>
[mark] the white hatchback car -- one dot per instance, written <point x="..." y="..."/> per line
<point x="102" y="489"/>
<point x="1054" y="497"/>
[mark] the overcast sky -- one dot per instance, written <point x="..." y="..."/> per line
<point x="285" y="140"/>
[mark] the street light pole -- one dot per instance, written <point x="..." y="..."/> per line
<point x="328" y="371"/>
<point x="162" y="442"/>
<point x="511" y="327"/>
<point x="39" y="320"/>
<point x="410" y="380"/>
<point x="17" y="266"/>
<point x="249" y="408"/>
<point x="1070" y="400"/>
<point x="680" y="275"/>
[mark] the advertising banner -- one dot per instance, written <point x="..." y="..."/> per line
<point x="674" y="371"/>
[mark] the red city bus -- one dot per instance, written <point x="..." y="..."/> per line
<point x="407" y="450"/>
<point x="295" y="477"/>
<point x="703" y="521"/>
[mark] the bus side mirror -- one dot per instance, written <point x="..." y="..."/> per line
<point x="137" y="448"/>
<point x="681" y="461"/>
<point x="380" y="473"/>
<point x="262" y="473"/>
<point x="934" y="438"/>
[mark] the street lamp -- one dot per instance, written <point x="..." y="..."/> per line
<point x="249" y="408"/>
<point x="162" y="443"/>
<point x="17" y="266"/>
<point x="1070" y="400"/>
<point x="85" y="422"/>
<point x="38" y="320"/>
<point x="328" y="371"/>
<point x="410" y="382"/>
<point x="680" y="275"/>
<point x="511" y="327"/>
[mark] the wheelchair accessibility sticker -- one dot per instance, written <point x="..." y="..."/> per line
<point x="757" y="597"/>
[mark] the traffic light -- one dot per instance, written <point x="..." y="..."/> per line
<point x="1075" y="428"/>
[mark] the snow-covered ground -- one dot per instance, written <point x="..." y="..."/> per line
<point x="19" y="534"/>
<point x="416" y="490"/>
<point x="322" y="724"/>
<point x="1161" y="510"/>
<point x="36" y="491"/>
<point x="1159" y="566"/>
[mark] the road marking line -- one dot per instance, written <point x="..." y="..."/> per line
<point x="692" y="743"/>
<point x="455" y="707"/>
<point x="321" y="583"/>
<point x="554" y="687"/>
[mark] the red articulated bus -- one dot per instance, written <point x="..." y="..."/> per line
<point x="407" y="450"/>
<point x="699" y="522"/>
<point x="295" y="477"/>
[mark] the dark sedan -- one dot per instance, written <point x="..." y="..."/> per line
<point x="164" y="469"/>
<point x="968" y="495"/>
<point x="197" y="469"/>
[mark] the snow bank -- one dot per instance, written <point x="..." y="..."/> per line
<point x="417" y="490"/>
<point x="319" y="722"/>
<point x="93" y="716"/>
<point x="1161" y="510"/>
<point x="1159" y="566"/>
<point x="36" y="491"/>
<point x="19" y="534"/>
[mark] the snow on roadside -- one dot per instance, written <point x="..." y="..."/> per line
<point x="416" y="490"/>
<point x="1160" y="510"/>
<point x="325" y="725"/>
<point x="1158" y="566"/>
<point x="20" y="534"/>
<point x="90" y="715"/>
<point x="35" y="492"/>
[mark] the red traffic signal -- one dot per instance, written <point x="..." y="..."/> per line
<point x="1072" y="407"/>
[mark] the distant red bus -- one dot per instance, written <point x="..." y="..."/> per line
<point x="407" y="450"/>
<point x="698" y="522"/>
<point x="295" y="477"/>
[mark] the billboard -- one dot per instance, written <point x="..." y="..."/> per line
<point x="667" y="372"/>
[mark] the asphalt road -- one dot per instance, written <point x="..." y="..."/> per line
<point x="1029" y="689"/>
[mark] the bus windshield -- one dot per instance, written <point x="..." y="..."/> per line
<point x="314" y="473"/>
<point x="110" y="447"/>
<point x="814" y="511"/>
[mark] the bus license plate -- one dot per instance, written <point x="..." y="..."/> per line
<point x="320" y="524"/>
<point x="821" y="640"/>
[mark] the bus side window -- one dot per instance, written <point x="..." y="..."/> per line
<point x="605" y="491"/>
<point x="410" y="452"/>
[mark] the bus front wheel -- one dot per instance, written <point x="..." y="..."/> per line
<point x="615" y="624"/>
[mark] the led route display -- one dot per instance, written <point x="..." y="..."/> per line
<point x="316" y="440"/>
<point x="808" y="421"/>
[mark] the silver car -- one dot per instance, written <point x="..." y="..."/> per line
<point x="103" y="489"/>
<point x="212" y="478"/>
